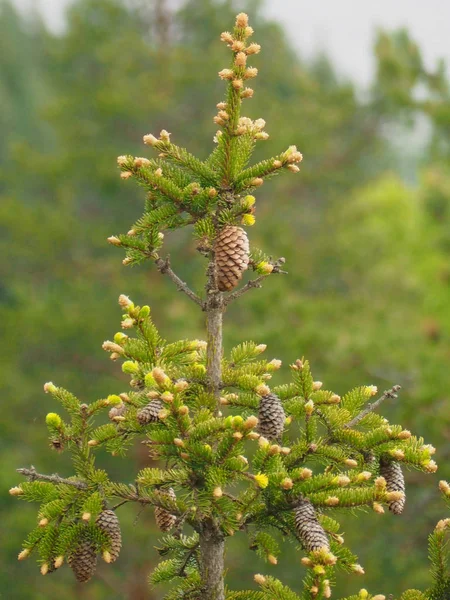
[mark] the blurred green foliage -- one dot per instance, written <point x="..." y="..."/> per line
<point x="364" y="228"/>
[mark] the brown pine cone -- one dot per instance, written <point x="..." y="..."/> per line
<point x="163" y="518"/>
<point x="271" y="417"/>
<point x="150" y="412"/>
<point x="108" y="522"/>
<point x="232" y="256"/>
<point x="83" y="561"/>
<point x="309" y="529"/>
<point x="395" y="482"/>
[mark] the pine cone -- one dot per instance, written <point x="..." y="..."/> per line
<point x="108" y="522"/>
<point x="308" y="527"/>
<point x="271" y="416"/>
<point x="83" y="561"/>
<point x="232" y="256"/>
<point x="163" y="518"/>
<point x="149" y="414"/>
<point x="117" y="411"/>
<point x="395" y="482"/>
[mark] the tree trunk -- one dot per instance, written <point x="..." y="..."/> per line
<point x="212" y="549"/>
<point x="212" y="544"/>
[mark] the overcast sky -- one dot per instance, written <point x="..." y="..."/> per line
<point x="343" y="28"/>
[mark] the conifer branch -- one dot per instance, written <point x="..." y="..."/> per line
<point x="164" y="267"/>
<point x="391" y="393"/>
<point x="33" y="475"/>
<point x="255" y="283"/>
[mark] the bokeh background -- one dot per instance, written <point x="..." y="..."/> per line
<point x="365" y="229"/>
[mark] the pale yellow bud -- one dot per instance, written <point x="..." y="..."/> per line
<point x="272" y="559"/>
<point x="430" y="466"/>
<point x="285" y="450"/>
<point x="237" y="435"/>
<point x="226" y="74"/>
<point x="262" y="135"/>
<point x="314" y="590"/>
<point x="184" y="455"/>
<point x="307" y="562"/>
<point x="309" y="407"/>
<point x="274" y="450"/>
<point x="150" y="140"/>
<point x="226" y="37"/>
<point x="357" y="569"/>
<point x="159" y="376"/>
<point x="86" y="516"/>
<point x="428" y="448"/>
<point x="332" y="501"/>
<point x="404" y="435"/>
<point x="394" y="496"/>
<point x="334" y="399"/>
<point x="287" y="483"/>
<point x="261" y="348"/>
<point x="218" y="120"/>
<point x="16" y="491"/>
<point x="306" y="474"/>
<point x="181" y="385"/>
<point x="241" y="20"/>
<point x="141" y="162"/>
<point x="259" y="579"/>
<point x="92" y="443"/>
<point x="339" y="539"/>
<point x="240" y="59"/>
<point x="247" y="93"/>
<point x="107" y="556"/>
<point x="249" y="31"/>
<point x="363" y="594"/>
<point x="262" y="390"/>
<point x="364" y="476"/>
<point x="253" y="435"/>
<point x="178" y="442"/>
<point x="251" y="422"/>
<point x="250" y="73"/>
<point x="49" y="387"/>
<point x="442" y="524"/>
<point x="350" y="462"/>
<point x="342" y="480"/>
<point x="263" y="442"/>
<point x="237" y="46"/>
<point x="397" y="454"/>
<point x="293" y="168"/>
<point x="317" y="385"/>
<point x="243" y="458"/>
<point x="24" y="554"/>
<point x="217" y="492"/>
<point x="126" y="175"/>
<point x="164" y="135"/>
<point x="44" y="569"/>
<point x="380" y="483"/>
<point x="444" y="486"/>
<point x="237" y="84"/>
<point x="379" y="597"/>
<point x="253" y="49"/>
<point x="59" y="560"/>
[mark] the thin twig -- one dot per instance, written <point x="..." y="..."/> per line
<point x="256" y="283"/>
<point x="164" y="267"/>
<point x="33" y="475"/>
<point x="392" y="393"/>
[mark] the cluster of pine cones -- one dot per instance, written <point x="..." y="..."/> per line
<point x="83" y="561"/>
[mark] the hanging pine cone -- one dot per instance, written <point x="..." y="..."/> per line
<point x="395" y="482"/>
<point x="150" y="412"/>
<point x="232" y="256"/>
<point x="83" y="561"/>
<point x="271" y="416"/>
<point x="117" y="411"/>
<point x="163" y="518"/>
<point x="308" y="527"/>
<point x="108" y="522"/>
